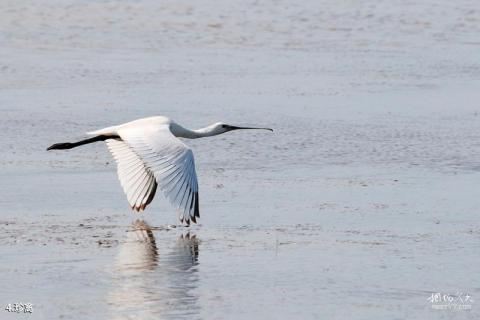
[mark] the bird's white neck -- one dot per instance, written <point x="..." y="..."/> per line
<point x="182" y="132"/>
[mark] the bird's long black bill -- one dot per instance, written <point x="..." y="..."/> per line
<point x="70" y="145"/>
<point x="250" y="128"/>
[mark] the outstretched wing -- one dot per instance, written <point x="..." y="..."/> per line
<point x="154" y="152"/>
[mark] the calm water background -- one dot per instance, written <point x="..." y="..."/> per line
<point x="362" y="204"/>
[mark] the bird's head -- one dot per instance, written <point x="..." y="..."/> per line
<point x="221" y="127"/>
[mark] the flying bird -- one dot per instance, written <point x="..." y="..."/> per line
<point x="150" y="155"/>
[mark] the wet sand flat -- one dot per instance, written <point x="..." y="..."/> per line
<point x="361" y="205"/>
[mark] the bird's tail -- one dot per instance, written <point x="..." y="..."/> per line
<point x="70" y="145"/>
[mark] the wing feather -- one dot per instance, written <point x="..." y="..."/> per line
<point x="137" y="181"/>
<point x="142" y="185"/>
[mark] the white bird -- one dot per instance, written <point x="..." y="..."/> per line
<point x="148" y="154"/>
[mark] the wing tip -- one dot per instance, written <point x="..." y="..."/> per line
<point x="147" y="199"/>
<point x="137" y="209"/>
<point x="185" y="221"/>
<point x="197" y="207"/>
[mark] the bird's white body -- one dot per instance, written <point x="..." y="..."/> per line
<point x="159" y="121"/>
<point x="151" y="121"/>
<point x="149" y="155"/>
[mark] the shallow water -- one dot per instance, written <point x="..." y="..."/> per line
<point x="360" y="205"/>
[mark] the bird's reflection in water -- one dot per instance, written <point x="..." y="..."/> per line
<point x="155" y="279"/>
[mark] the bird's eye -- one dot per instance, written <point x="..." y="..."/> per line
<point x="224" y="126"/>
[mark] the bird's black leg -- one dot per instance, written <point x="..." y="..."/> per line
<point x="70" y="145"/>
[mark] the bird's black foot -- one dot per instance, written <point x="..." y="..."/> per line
<point x="61" y="146"/>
